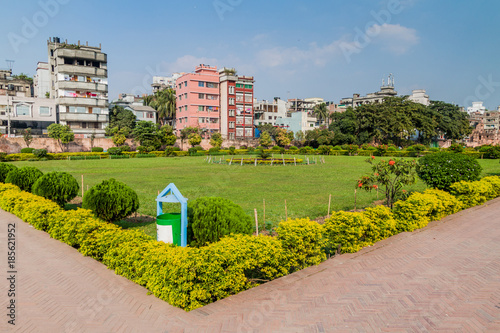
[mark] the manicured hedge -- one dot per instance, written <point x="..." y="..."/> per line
<point x="192" y="277"/>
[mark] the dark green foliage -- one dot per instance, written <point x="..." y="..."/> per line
<point x="4" y="170"/>
<point x="456" y="148"/>
<point x="27" y="150"/>
<point x="114" y="151"/>
<point x="97" y="150"/>
<point x="111" y="200"/>
<point x="169" y="151"/>
<point x="490" y="151"/>
<point x="59" y="187"/>
<point x="24" y="177"/>
<point x="440" y="170"/>
<point x="324" y="150"/>
<point x="124" y="148"/>
<point x="40" y="153"/>
<point x="261" y="153"/>
<point x="211" y="218"/>
<point x="213" y="150"/>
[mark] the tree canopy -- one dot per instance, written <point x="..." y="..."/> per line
<point x="121" y="121"/>
<point x="164" y="102"/>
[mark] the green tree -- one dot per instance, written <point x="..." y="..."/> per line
<point x="282" y="137"/>
<point x="194" y="139"/>
<point x="164" y="102"/>
<point x="59" y="187"/>
<point x="270" y="129"/>
<point x="147" y="134"/>
<point x="119" y="139"/>
<point x="321" y="112"/>
<point x="167" y="136"/>
<point x="62" y="133"/>
<point x="319" y="136"/>
<point x="120" y="121"/>
<point x="216" y="140"/>
<point x="28" y="138"/>
<point x="452" y="123"/>
<point x="186" y="131"/>
<point x="265" y="139"/>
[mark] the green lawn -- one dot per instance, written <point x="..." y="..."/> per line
<point x="305" y="188"/>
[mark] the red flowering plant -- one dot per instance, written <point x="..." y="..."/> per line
<point x="390" y="176"/>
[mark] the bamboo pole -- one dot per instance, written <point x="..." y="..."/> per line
<point x="264" y="210"/>
<point x="256" y="222"/>
<point x="82" y="185"/>
<point x="329" y="202"/>
<point x="355" y="199"/>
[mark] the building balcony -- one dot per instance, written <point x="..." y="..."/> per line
<point x="85" y="86"/>
<point x="80" y="101"/>
<point x="82" y="70"/>
<point x="82" y="54"/>
<point x="83" y="117"/>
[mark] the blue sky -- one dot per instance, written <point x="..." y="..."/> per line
<point x="329" y="49"/>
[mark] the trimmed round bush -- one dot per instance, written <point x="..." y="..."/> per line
<point x="440" y="170"/>
<point x="5" y="168"/>
<point x="111" y="200"/>
<point x="211" y="218"/>
<point x="24" y="177"/>
<point x="27" y="150"/>
<point x="59" y="187"/>
<point x="124" y="148"/>
<point x="97" y="149"/>
<point x="114" y="151"/>
<point x="40" y="153"/>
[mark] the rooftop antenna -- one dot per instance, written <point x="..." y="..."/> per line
<point x="9" y="64"/>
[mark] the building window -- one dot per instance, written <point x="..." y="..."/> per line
<point x="239" y="120"/>
<point x="239" y="97"/>
<point x="231" y="113"/>
<point x="248" y="86"/>
<point x="212" y="85"/>
<point x="231" y="90"/>
<point x="239" y="132"/>
<point x="81" y="109"/>
<point x="185" y="95"/>
<point x="231" y="136"/>
<point x="23" y="110"/>
<point x="231" y="124"/>
<point x="248" y="132"/>
<point x="248" y="120"/>
<point x="185" y="83"/>
<point x="201" y="96"/>
<point x="248" y="97"/>
<point x="231" y="101"/>
<point x="186" y="107"/>
<point x="201" y="84"/>
<point x="212" y="97"/>
<point x="238" y="85"/>
<point x="44" y="111"/>
<point x="201" y="108"/>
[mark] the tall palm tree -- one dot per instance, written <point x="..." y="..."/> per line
<point x="164" y="102"/>
<point x="321" y="112"/>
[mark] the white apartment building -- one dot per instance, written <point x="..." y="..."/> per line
<point x="79" y="83"/>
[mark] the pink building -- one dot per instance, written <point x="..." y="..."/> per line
<point x="198" y="100"/>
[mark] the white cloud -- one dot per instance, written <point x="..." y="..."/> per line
<point x="394" y="37"/>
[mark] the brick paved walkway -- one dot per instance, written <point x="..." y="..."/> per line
<point x="443" y="278"/>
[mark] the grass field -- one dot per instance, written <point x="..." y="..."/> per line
<point x="305" y="188"/>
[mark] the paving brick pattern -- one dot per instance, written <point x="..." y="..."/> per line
<point x="443" y="278"/>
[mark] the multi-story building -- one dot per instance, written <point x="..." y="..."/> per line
<point x="266" y="112"/>
<point x="79" y="83"/>
<point x="236" y="105"/>
<point x="42" y="80"/>
<point x="419" y="96"/>
<point x="387" y="90"/>
<point x="476" y="107"/>
<point x="164" y="82"/>
<point x="20" y="110"/>
<point x="486" y="128"/>
<point x="198" y="100"/>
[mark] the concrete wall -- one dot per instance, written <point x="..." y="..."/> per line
<point x="14" y="145"/>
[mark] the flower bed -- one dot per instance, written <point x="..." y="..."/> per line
<point x="265" y="161"/>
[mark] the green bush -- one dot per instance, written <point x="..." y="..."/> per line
<point x="348" y="231"/>
<point x="210" y="218"/>
<point x="456" y="148"/>
<point x="4" y="170"/>
<point x="277" y="148"/>
<point x="114" y="151"/>
<point x="435" y="149"/>
<point x="213" y="150"/>
<point x="40" y="153"/>
<point x="324" y="150"/>
<point x="293" y="148"/>
<point x="169" y="151"/>
<point x="27" y="150"/>
<point x="440" y="170"/>
<point x="111" y="200"/>
<point x="59" y="187"/>
<point x="303" y="240"/>
<point x="97" y="149"/>
<point x="124" y="148"/>
<point x="24" y="177"/>
<point x="472" y="194"/>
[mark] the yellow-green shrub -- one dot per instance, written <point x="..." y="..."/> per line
<point x="444" y="204"/>
<point x="348" y="230"/>
<point x="495" y="182"/>
<point x="382" y="219"/>
<point x="473" y="193"/>
<point x="71" y="226"/>
<point x="303" y="240"/>
<point x="414" y="212"/>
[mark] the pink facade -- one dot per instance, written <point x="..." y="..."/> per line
<point x="198" y="100"/>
